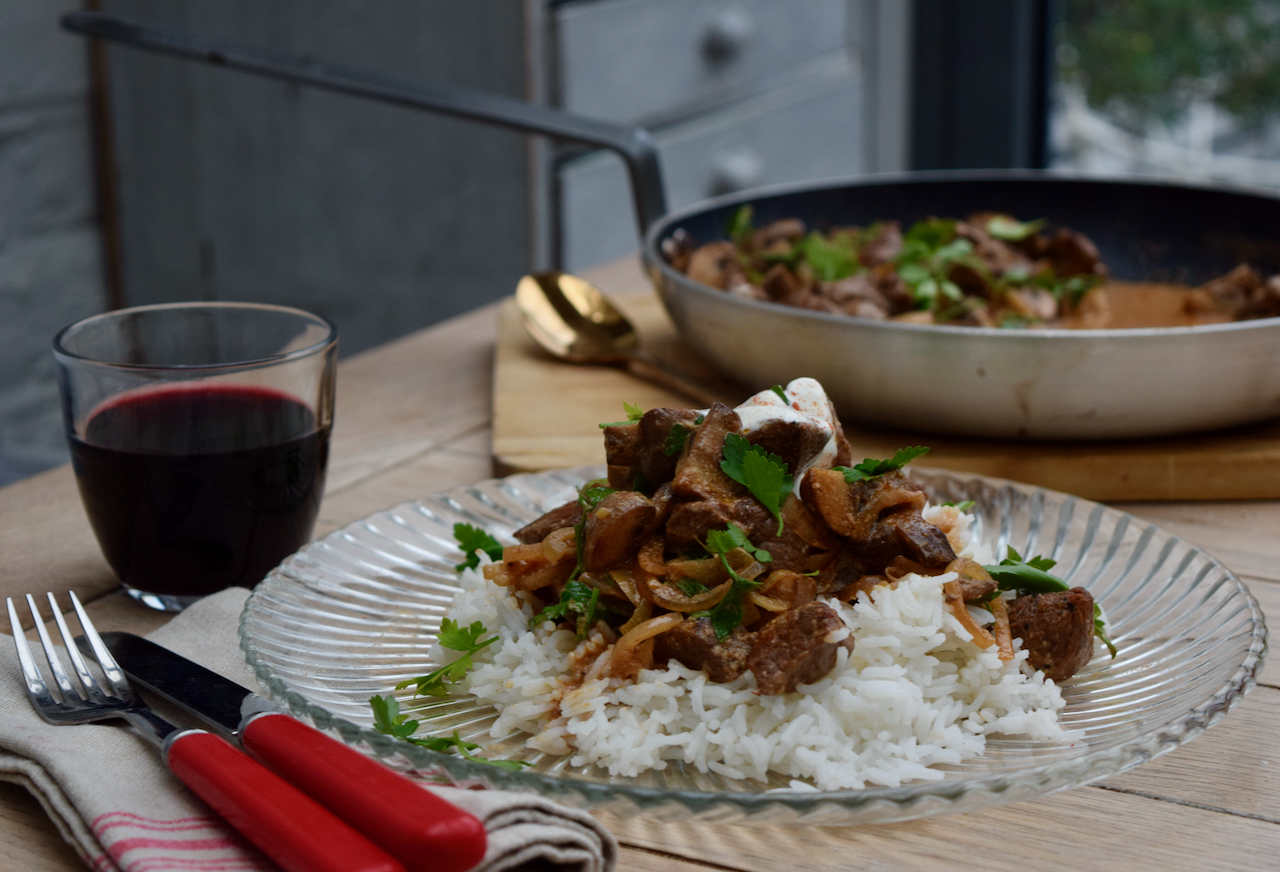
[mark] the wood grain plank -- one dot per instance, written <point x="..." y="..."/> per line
<point x="1088" y="828"/>
<point x="30" y="840"/>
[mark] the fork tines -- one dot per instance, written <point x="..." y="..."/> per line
<point x="89" y="689"/>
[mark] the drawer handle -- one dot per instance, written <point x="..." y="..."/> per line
<point x="736" y="171"/>
<point x="727" y="34"/>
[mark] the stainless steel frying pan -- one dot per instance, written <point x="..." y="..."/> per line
<point x="1044" y="384"/>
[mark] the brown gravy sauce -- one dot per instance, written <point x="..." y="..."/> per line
<point x="1145" y="304"/>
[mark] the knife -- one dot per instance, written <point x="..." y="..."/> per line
<point x="418" y="828"/>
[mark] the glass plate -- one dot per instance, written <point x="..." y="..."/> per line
<point x="355" y="612"/>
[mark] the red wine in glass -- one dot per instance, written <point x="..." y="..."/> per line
<point x="193" y="489"/>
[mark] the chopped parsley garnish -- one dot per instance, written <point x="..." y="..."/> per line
<point x="871" y="468"/>
<point x="634" y="413"/>
<point x="691" y="587"/>
<point x="1033" y="577"/>
<point x="764" y="474"/>
<point x="929" y="249"/>
<point x="456" y="638"/>
<point x="388" y="719"/>
<point x="739" y="228"/>
<point x="1008" y="229"/>
<point x="777" y="389"/>
<point x="963" y="506"/>
<point x="726" y="615"/>
<point x="1026" y="576"/>
<point x="576" y="598"/>
<point x="472" y="539"/>
<point x="678" y="436"/>
<point x="831" y="259"/>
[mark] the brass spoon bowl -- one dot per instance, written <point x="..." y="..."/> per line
<point x="575" y="322"/>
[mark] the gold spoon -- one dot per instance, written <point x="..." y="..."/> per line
<point x="574" y="321"/>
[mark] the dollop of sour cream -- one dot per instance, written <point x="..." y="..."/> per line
<point x="805" y="401"/>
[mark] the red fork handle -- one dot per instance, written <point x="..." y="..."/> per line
<point x="412" y="824"/>
<point x="290" y="828"/>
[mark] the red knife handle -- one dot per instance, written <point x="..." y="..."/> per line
<point x="289" y="827"/>
<point x="421" y="830"/>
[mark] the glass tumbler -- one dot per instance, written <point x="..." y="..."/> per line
<point x="199" y="436"/>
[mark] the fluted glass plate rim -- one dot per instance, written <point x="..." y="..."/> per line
<point x="495" y="497"/>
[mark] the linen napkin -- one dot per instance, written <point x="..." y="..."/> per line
<point x="113" y="799"/>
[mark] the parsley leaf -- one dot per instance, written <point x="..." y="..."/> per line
<point x="830" y="259"/>
<point x="1026" y="576"/>
<point x="387" y="719"/>
<point x="726" y="615"/>
<point x="739" y="228"/>
<point x="871" y="468"/>
<point x="577" y="598"/>
<point x="764" y="474"/>
<point x="676" y="439"/>
<point x="457" y="638"/>
<point x="691" y="587"/>
<point x="1008" y="229"/>
<point x="777" y="389"/>
<point x="963" y="506"/>
<point x="634" y="413"/>
<point x="472" y="539"/>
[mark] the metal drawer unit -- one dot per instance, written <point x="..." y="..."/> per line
<point x="738" y="93"/>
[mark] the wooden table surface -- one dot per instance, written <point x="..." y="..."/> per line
<point x="414" y="417"/>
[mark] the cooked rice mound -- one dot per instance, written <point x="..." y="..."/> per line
<point x="914" y="693"/>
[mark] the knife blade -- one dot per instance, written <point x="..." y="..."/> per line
<point x="421" y="830"/>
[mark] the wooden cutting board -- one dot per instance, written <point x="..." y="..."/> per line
<point x="546" y="414"/>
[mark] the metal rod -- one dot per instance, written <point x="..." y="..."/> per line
<point x="635" y="146"/>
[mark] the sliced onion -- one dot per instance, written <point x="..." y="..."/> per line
<point x="559" y="545"/>
<point x="642" y="612"/>
<point x="627" y="659"/>
<point x="709" y="570"/>
<point x="768" y="603"/>
<point x="668" y="596"/>
<point x="516" y="553"/>
<point x="954" y="598"/>
<point x="650" y="556"/>
<point x="1001" y="630"/>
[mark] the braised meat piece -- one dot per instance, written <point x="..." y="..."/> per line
<point x="567" y="515"/>
<point x="795" y="442"/>
<point x="1240" y="294"/>
<point x="615" y="529"/>
<point x="1073" y="253"/>
<point x="698" y="473"/>
<point x="657" y="451"/>
<point x="795" y="648"/>
<point x="882" y="243"/>
<point x="1056" y="629"/>
<point x="904" y="533"/>
<point x="694" y="644"/>
<point x="620" y="444"/>
<point x="852" y="509"/>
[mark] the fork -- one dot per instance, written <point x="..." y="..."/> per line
<point x="290" y="827"/>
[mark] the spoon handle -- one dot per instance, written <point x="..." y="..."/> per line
<point x="657" y="372"/>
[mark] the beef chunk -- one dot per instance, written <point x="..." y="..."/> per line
<point x="1056" y="629"/>
<point x="698" y="473"/>
<point x="614" y="531"/>
<point x="882" y="243"/>
<point x="904" y="534"/>
<point x="1073" y="253"/>
<point x="792" y="649"/>
<point x="620" y="443"/>
<point x="694" y="644"/>
<point x="796" y="442"/>
<point x="563" y="516"/>
<point x="657" y="451"/>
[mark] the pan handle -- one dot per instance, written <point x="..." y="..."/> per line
<point x="633" y="144"/>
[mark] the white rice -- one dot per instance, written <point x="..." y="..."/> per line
<point x="915" y="692"/>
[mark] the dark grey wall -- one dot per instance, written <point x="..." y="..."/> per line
<point x="49" y="245"/>
<point x="383" y="219"/>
